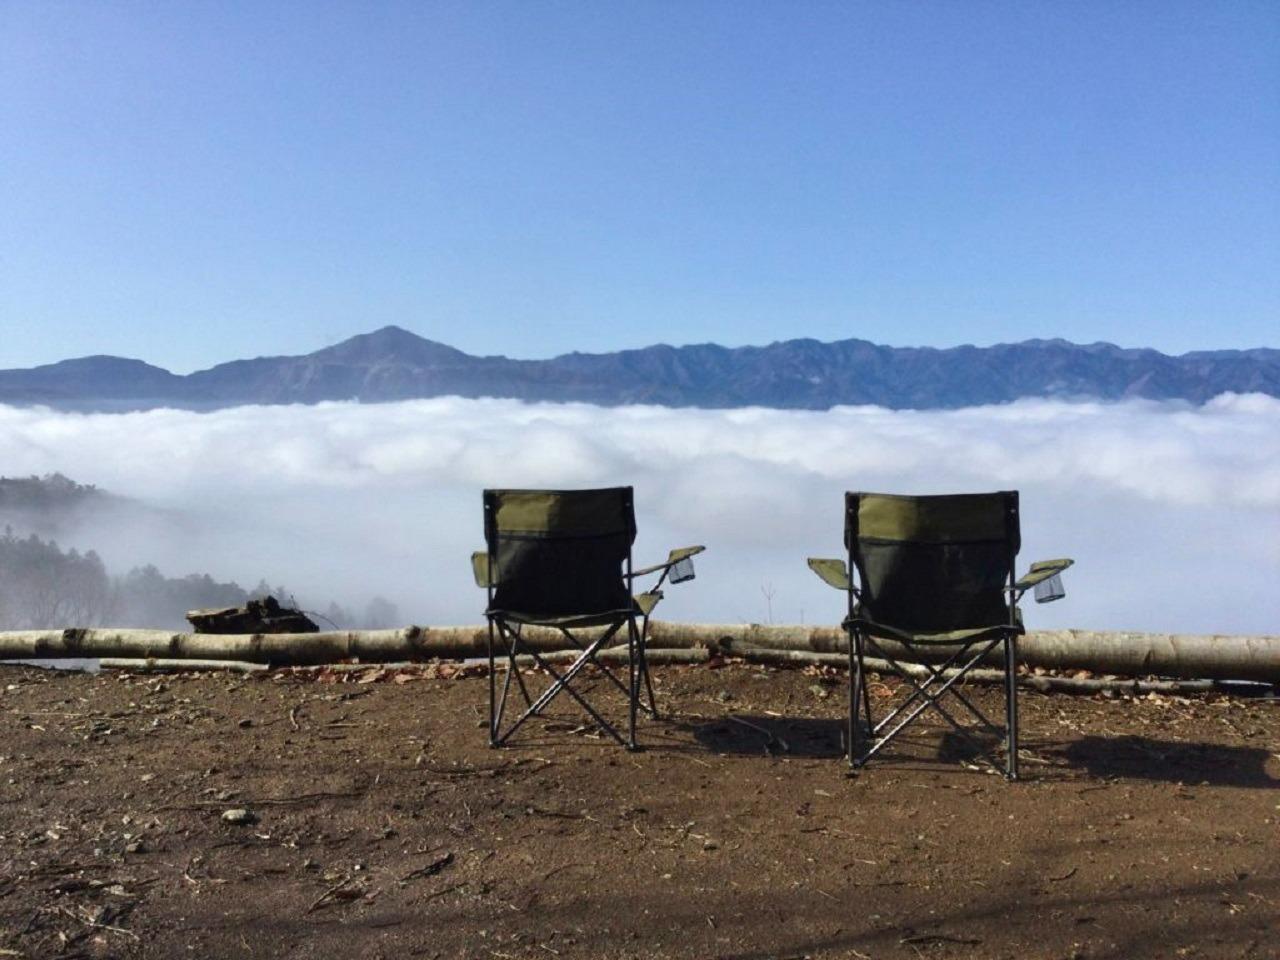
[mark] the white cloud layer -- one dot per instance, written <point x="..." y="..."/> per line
<point x="1172" y="512"/>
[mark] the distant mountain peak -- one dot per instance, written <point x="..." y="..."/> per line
<point x="390" y="344"/>
<point x="104" y="363"/>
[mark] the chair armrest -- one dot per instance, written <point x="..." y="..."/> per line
<point x="833" y="572"/>
<point x="647" y="601"/>
<point x="480" y="568"/>
<point x="673" y="557"/>
<point x="1041" y="570"/>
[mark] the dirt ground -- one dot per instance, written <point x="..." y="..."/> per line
<point x="385" y="827"/>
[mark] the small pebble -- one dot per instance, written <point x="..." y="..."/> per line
<point x="239" y="815"/>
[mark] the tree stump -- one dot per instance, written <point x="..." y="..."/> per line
<point x="256" y="616"/>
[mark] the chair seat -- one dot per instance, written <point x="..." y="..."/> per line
<point x="950" y="637"/>
<point x="643" y="605"/>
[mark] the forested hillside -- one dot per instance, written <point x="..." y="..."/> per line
<point x="44" y="585"/>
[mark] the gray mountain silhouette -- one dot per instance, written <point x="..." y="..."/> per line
<point x="394" y="364"/>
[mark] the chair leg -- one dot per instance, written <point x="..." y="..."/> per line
<point x="633" y="683"/>
<point x="1011" y="702"/>
<point x="511" y="639"/>
<point x="856" y="696"/>
<point x="513" y="669"/>
<point x="644" y="667"/>
<point x="493" y="730"/>
<point x="648" y="680"/>
<point x="866" y="691"/>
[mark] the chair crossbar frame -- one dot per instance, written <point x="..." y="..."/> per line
<point x="642" y="666"/>
<point x="499" y="628"/>
<point x="925" y="693"/>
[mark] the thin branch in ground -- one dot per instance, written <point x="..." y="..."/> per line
<point x="96" y="925"/>
<point x="337" y="892"/>
<point x="431" y="869"/>
<point x="443" y="891"/>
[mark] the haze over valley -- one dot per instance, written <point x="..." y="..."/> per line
<point x="1171" y="510"/>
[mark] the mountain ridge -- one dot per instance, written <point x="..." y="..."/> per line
<point x="392" y="363"/>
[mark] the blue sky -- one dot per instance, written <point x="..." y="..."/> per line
<point x="193" y="182"/>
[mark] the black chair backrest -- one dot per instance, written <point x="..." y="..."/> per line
<point x="933" y="564"/>
<point x="559" y="553"/>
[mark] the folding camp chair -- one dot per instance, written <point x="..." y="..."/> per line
<point x="562" y="559"/>
<point x="936" y="587"/>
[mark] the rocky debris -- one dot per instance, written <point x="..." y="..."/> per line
<point x="239" y="816"/>
<point x="256" y="616"/>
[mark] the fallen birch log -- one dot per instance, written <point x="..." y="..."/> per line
<point x="760" y="655"/>
<point x="1079" y="685"/>
<point x="152" y="665"/>
<point x="609" y="655"/>
<point x="272" y="648"/>
<point x="277" y="649"/>
<point x="1126" y="654"/>
<point x="617" y="655"/>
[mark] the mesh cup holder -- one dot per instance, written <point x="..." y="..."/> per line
<point x="1049" y="590"/>
<point x="682" y="570"/>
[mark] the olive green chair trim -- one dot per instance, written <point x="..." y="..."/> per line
<point x="587" y="513"/>
<point x="1041" y="570"/>
<point x="673" y="557"/>
<point x="834" y="572"/>
<point x="959" y="518"/>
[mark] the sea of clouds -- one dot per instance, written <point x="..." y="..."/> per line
<point x="1172" y="512"/>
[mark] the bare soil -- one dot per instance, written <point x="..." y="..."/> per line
<point x="385" y="827"/>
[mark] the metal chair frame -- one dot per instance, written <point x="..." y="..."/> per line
<point x="500" y="628"/>
<point x="506" y="634"/>
<point x="860" y="640"/>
